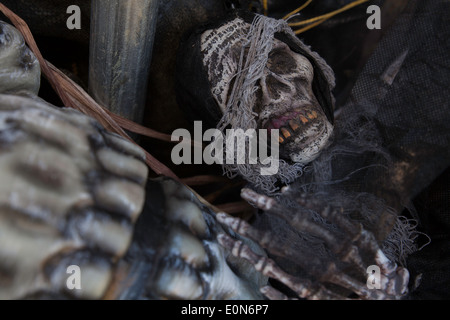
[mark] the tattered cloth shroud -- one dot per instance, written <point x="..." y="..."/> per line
<point x="391" y="141"/>
<point x="196" y="81"/>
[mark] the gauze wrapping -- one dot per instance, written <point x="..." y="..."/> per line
<point x="237" y="84"/>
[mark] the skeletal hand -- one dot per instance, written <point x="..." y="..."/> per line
<point x="342" y="275"/>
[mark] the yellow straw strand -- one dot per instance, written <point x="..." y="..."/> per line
<point x="297" y="10"/>
<point x="324" y="17"/>
<point x="266" y="7"/>
<point x="297" y="32"/>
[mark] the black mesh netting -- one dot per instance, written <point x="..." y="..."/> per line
<point x="405" y="87"/>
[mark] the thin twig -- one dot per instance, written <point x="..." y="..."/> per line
<point x="203" y="180"/>
<point x="234" y="207"/>
<point x="212" y="197"/>
<point x="313" y="22"/>
<point x="266" y="7"/>
<point x="297" y="10"/>
<point x="328" y="15"/>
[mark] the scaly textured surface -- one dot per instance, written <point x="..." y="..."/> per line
<point x="70" y="193"/>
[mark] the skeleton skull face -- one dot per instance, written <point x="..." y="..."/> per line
<point x="284" y="97"/>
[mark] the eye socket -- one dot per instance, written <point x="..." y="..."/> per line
<point x="281" y="62"/>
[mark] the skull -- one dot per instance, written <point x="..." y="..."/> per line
<point x="285" y="98"/>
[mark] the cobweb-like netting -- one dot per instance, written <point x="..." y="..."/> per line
<point x="353" y="138"/>
<point x="338" y="177"/>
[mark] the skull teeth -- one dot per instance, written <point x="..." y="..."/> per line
<point x="303" y="119"/>
<point x="312" y="115"/>
<point x="294" y="125"/>
<point x="285" y="132"/>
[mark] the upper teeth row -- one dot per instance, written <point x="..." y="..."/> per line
<point x="294" y="125"/>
